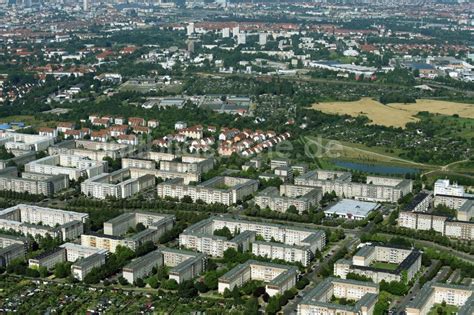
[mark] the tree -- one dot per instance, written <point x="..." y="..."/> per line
<point x="186" y="289"/>
<point x="225" y="232"/>
<point x="273" y="305"/>
<point x="62" y="270"/>
<point x="122" y="280"/>
<point x="153" y="282"/>
<point x="140" y="283"/>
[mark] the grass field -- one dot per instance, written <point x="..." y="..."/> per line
<point x="382" y="265"/>
<point x="448" y="309"/>
<point x="396" y="115"/>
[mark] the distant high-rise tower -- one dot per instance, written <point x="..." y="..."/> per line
<point x="190" y="29"/>
<point x="262" y="39"/>
<point x="226" y="32"/>
<point x="241" y="39"/>
<point x="85" y="5"/>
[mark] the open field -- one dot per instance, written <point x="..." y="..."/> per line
<point x="437" y="107"/>
<point x="396" y="115"/>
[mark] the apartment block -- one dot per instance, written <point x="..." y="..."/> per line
<point x="25" y="142"/>
<point x="120" y="225"/>
<point x="278" y="278"/>
<point x="82" y="267"/>
<point x="75" y="251"/>
<point x="425" y="222"/>
<point x="420" y="203"/>
<point x="7" y="240"/>
<point x="90" y="149"/>
<point x="408" y="262"/>
<point x="319" y="299"/>
<point x="32" y="183"/>
<point x="185" y="265"/>
<point x="48" y="259"/>
<point x="436" y="293"/>
<point x="305" y="242"/>
<point x="118" y="184"/>
<point x="26" y="219"/>
<point x="221" y="189"/>
<point x="142" y="266"/>
<point x="380" y="189"/>
<point x="11" y="252"/>
<point x="73" y="166"/>
<point x="301" y="197"/>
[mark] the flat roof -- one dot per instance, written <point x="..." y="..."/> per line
<point x="352" y="207"/>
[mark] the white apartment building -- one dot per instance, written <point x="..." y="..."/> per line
<point x="48" y="259"/>
<point x="92" y="149"/>
<point x="305" y="242"/>
<point x="425" y="222"/>
<point x="301" y="197"/>
<point x="318" y="300"/>
<point x="81" y="268"/>
<point x="118" y="184"/>
<point x="436" y="293"/>
<point x="57" y="223"/>
<point x="120" y="225"/>
<point x="379" y="189"/>
<point x="444" y="187"/>
<point x="221" y="189"/>
<point x="72" y="166"/>
<point x="25" y="142"/>
<point x="277" y="278"/>
<point x="33" y="183"/>
<point x="185" y="265"/>
<point x="408" y="261"/>
<point x="75" y="251"/>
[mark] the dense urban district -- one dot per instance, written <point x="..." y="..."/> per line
<point x="237" y="157"/>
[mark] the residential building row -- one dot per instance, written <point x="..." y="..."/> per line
<point x="300" y="197"/>
<point x="433" y="293"/>
<point x="185" y="265"/>
<point x="280" y="242"/>
<point x="319" y="300"/>
<point x="277" y="278"/>
<point x="425" y="221"/>
<point x="118" y="184"/>
<point x="73" y="166"/>
<point x="379" y="189"/>
<point x="34" y="220"/>
<point x="221" y="189"/>
<point x="32" y="183"/>
<point x="156" y="226"/>
<point x="25" y="142"/>
<point x="408" y="263"/>
<point x="93" y="150"/>
<point x="12" y="247"/>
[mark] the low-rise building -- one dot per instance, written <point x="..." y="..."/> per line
<point x="319" y="300"/>
<point x="278" y="278"/>
<point x="351" y="209"/>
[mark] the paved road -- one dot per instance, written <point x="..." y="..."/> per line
<point x="290" y="307"/>
<point x="399" y="307"/>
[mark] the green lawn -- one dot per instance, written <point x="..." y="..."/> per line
<point x="448" y="310"/>
<point x="382" y="265"/>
